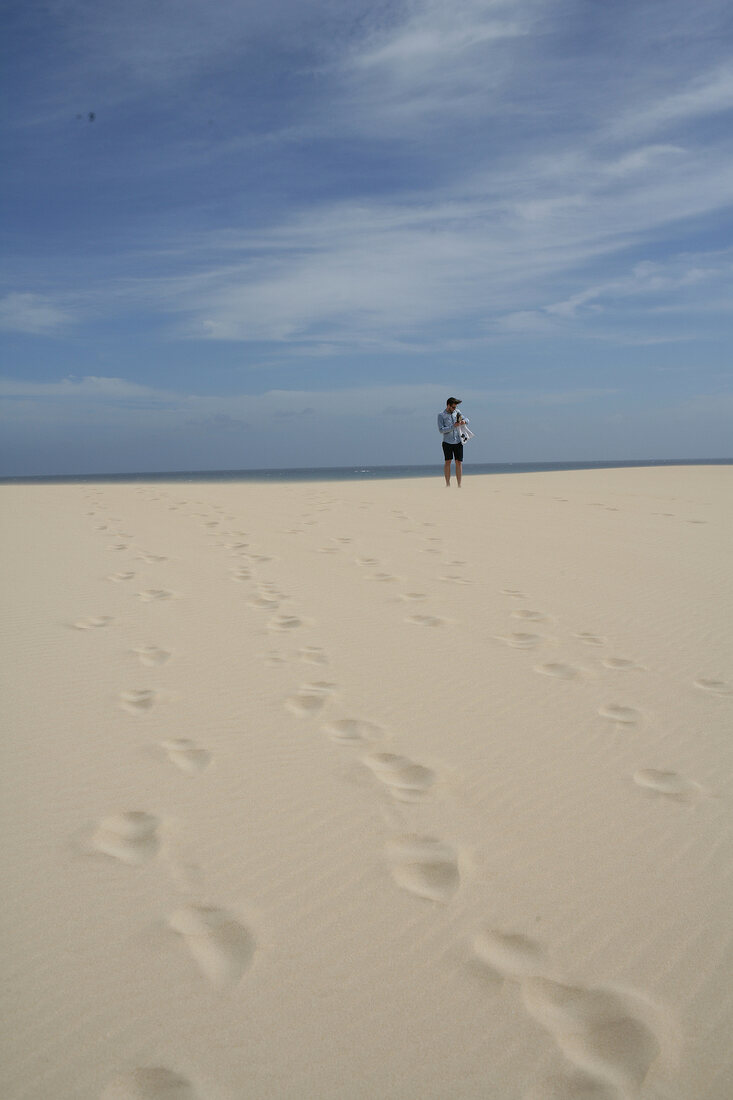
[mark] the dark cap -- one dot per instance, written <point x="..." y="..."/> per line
<point x="453" y="401"/>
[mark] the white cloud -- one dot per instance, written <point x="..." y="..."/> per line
<point x="436" y="35"/>
<point x="680" y="278"/>
<point x="33" y="313"/>
<point x="706" y="94"/>
<point x="91" y="388"/>
<point x="435" y="63"/>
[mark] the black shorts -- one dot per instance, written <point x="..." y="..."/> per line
<point x="453" y="450"/>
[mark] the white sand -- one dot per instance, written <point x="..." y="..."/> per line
<point x="370" y="790"/>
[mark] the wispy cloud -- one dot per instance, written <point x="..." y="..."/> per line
<point x="706" y="94"/>
<point x="436" y="62"/>
<point x="686" y="278"/>
<point x="33" y="313"/>
<point x="76" y="393"/>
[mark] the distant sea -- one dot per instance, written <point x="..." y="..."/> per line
<point x="355" y="473"/>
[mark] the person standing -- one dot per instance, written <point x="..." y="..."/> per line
<point x="449" y="421"/>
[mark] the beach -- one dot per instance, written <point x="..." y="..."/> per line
<point x="370" y="789"/>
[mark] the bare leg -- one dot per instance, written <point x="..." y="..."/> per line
<point x="459" y="472"/>
<point x="447" y="472"/>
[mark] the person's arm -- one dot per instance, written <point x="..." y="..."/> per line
<point x="444" y="419"/>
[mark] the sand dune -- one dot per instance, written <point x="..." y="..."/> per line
<point x="370" y="789"/>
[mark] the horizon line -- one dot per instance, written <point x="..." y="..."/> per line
<point x="355" y="469"/>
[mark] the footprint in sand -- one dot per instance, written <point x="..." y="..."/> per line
<point x="619" y="663"/>
<point x="716" y="687"/>
<point x="241" y="575"/>
<point x="271" y="591"/>
<point x="382" y="577"/>
<point x="530" y="616"/>
<point x="275" y="659"/>
<point x="453" y="578"/>
<point x="424" y="866"/>
<point x="310" y="699"/>
<point x="521" y="640"/>
<point x="366" y="561"/>
<point x="425" y="620"/>
<point x="590" y="639"/>
<point x="405" y="780"/>
<point x="413" y="596"/>
<point x="283" y="623"/>
<point x="314" y="655"/>
<point x="609" y="1035"/>
<point x="221" y="947"/>
<point x="150" y="1083"/>
<point x="151" y="558"/>
<point x="265" y="602"/>
<point x="510" y="955"/>
<point x="668" y="783"/>
<point x="354" y="731"/>
<point x="558" y="670"/>
<point x="150" y="595"/>
<point x="93" y="623"/>
<point x="152" y="655"/>
<point x="118" y="546"/>
<point x="119" y="577"/>
<point x="129" y="837"/>
<point x="626" y="716"/>
<point x="514" y="593"/>
<point x="187" y="755"/>
<point x="136" y="702"/>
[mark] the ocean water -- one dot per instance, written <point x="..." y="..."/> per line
<point x="355" y="473"/>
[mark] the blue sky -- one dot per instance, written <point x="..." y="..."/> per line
<point x="293" y="227"/>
